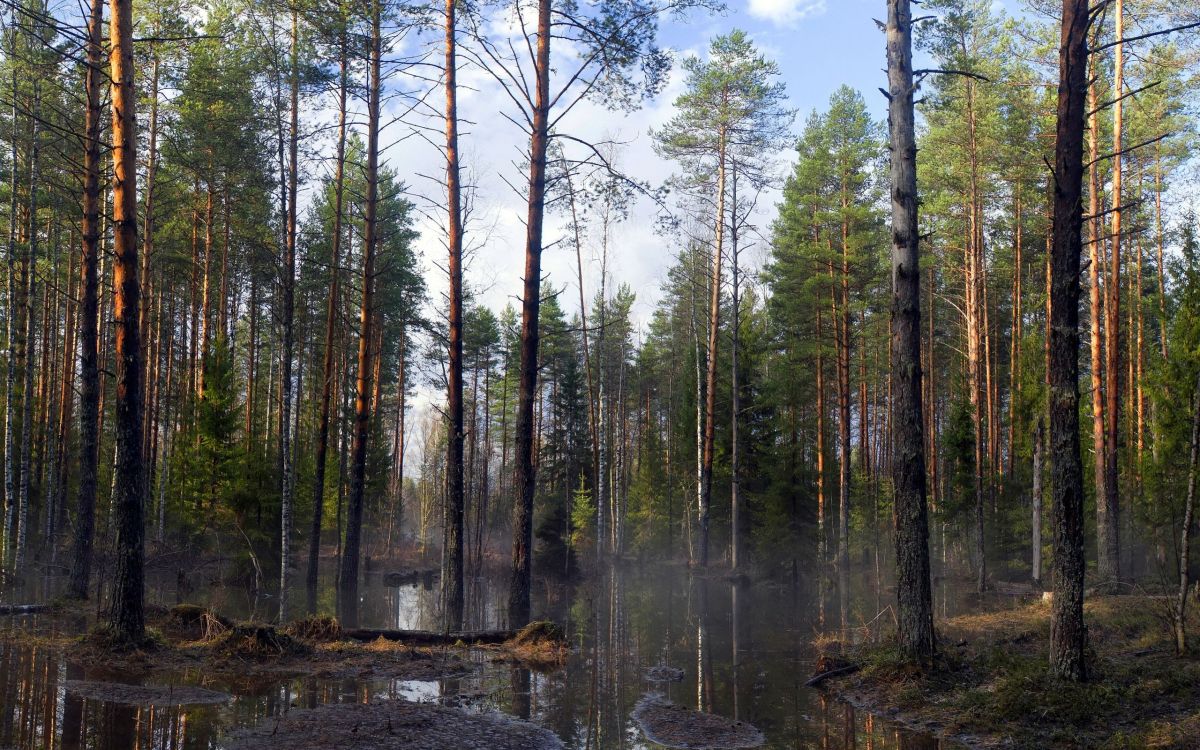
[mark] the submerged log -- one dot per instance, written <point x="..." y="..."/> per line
<point x="829" y="666"/>
<point x="22" y="609"/>
<point x="409" y="577"/>
<point x="430" y="638"/>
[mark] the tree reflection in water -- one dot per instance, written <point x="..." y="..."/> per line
<point x="620" y="624"/>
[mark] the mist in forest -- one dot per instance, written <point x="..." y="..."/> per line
<point x="597" y="375"/>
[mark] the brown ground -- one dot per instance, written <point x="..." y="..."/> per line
<point x="991" y="688"/>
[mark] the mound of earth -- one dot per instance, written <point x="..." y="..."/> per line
<point x="144" y="695"/>
<point x="252" y="640"/>
<point x="667" y="724"/>
<point x="392" y="724"/>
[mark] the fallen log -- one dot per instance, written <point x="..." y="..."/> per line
<point x="22" y="609"/>
<point x="430" y="638"/>
<point x="838" y="672"/>
<point x="409" y="577"/>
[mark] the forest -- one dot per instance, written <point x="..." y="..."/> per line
<point x="543" y="373"/>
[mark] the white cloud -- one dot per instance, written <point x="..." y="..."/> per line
<point x="786" y="12"/>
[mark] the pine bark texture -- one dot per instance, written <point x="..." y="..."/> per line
<point x="126" y="614"/>
<point x="1068" y="633"/>
<point x="89" y="372"/>
<point x="331" y="312"/>
<point x="914" y="593"/>
<point x="453" y="582"/>
<point x="348" y="582"/>
<point x="519" y="594"/>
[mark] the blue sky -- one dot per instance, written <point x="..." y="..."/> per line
<point x="819" y="46"/>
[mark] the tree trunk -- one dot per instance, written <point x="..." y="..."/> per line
<point x="522" y="553"/>
<point x="453" y="582"/>
<point x="710" y="374"/>
<point x="841" y="340"/>
<point x="1014" y="360"/>
<point x="24" y="496"/>
<point x="735" y="402"/>
<point x="206" y="288"/>
<point x="348" y="583"/>
<point x="126" y="617"/>
<point x="1108" y="566"/>
<point x="1096" y="333"/>
<point x="1039" y="438"/>
<point x="148" y="250"/>
<point x="1159" y="237"/>
<point x="251" y="361"/>
<point x="593" y="424"/>
<point x="974" y="262"/>
<point x="914" y="594"/>
<point x="10" y="372"/>
<point x="822" y="532"/>
<point x="1185" y="535"/>
<point x="1068" y="633"/>
<point x="287" y="479"/>
<point x="55" y="510"/>
<point x="331" y="311"/>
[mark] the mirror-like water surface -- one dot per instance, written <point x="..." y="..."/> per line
<point x="744" y="651"/>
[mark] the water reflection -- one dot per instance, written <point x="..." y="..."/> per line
<point x="743" y="650"/>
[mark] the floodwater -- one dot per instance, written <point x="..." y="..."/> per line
<point x="744" y="651"/>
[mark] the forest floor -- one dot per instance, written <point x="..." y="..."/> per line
<point x="991" y="687"/>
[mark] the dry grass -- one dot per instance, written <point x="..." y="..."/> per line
<point x="316" y="629"/>
<point x="991" y="687"/>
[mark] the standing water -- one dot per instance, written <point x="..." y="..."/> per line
<point x="737" y="650"/>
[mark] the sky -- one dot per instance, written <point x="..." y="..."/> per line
<point x="818" y="44"/>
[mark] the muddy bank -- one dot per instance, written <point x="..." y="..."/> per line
<point x="192" y="639"/>
<point x="991" y="687"/>
<point x="671" y="725"/>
